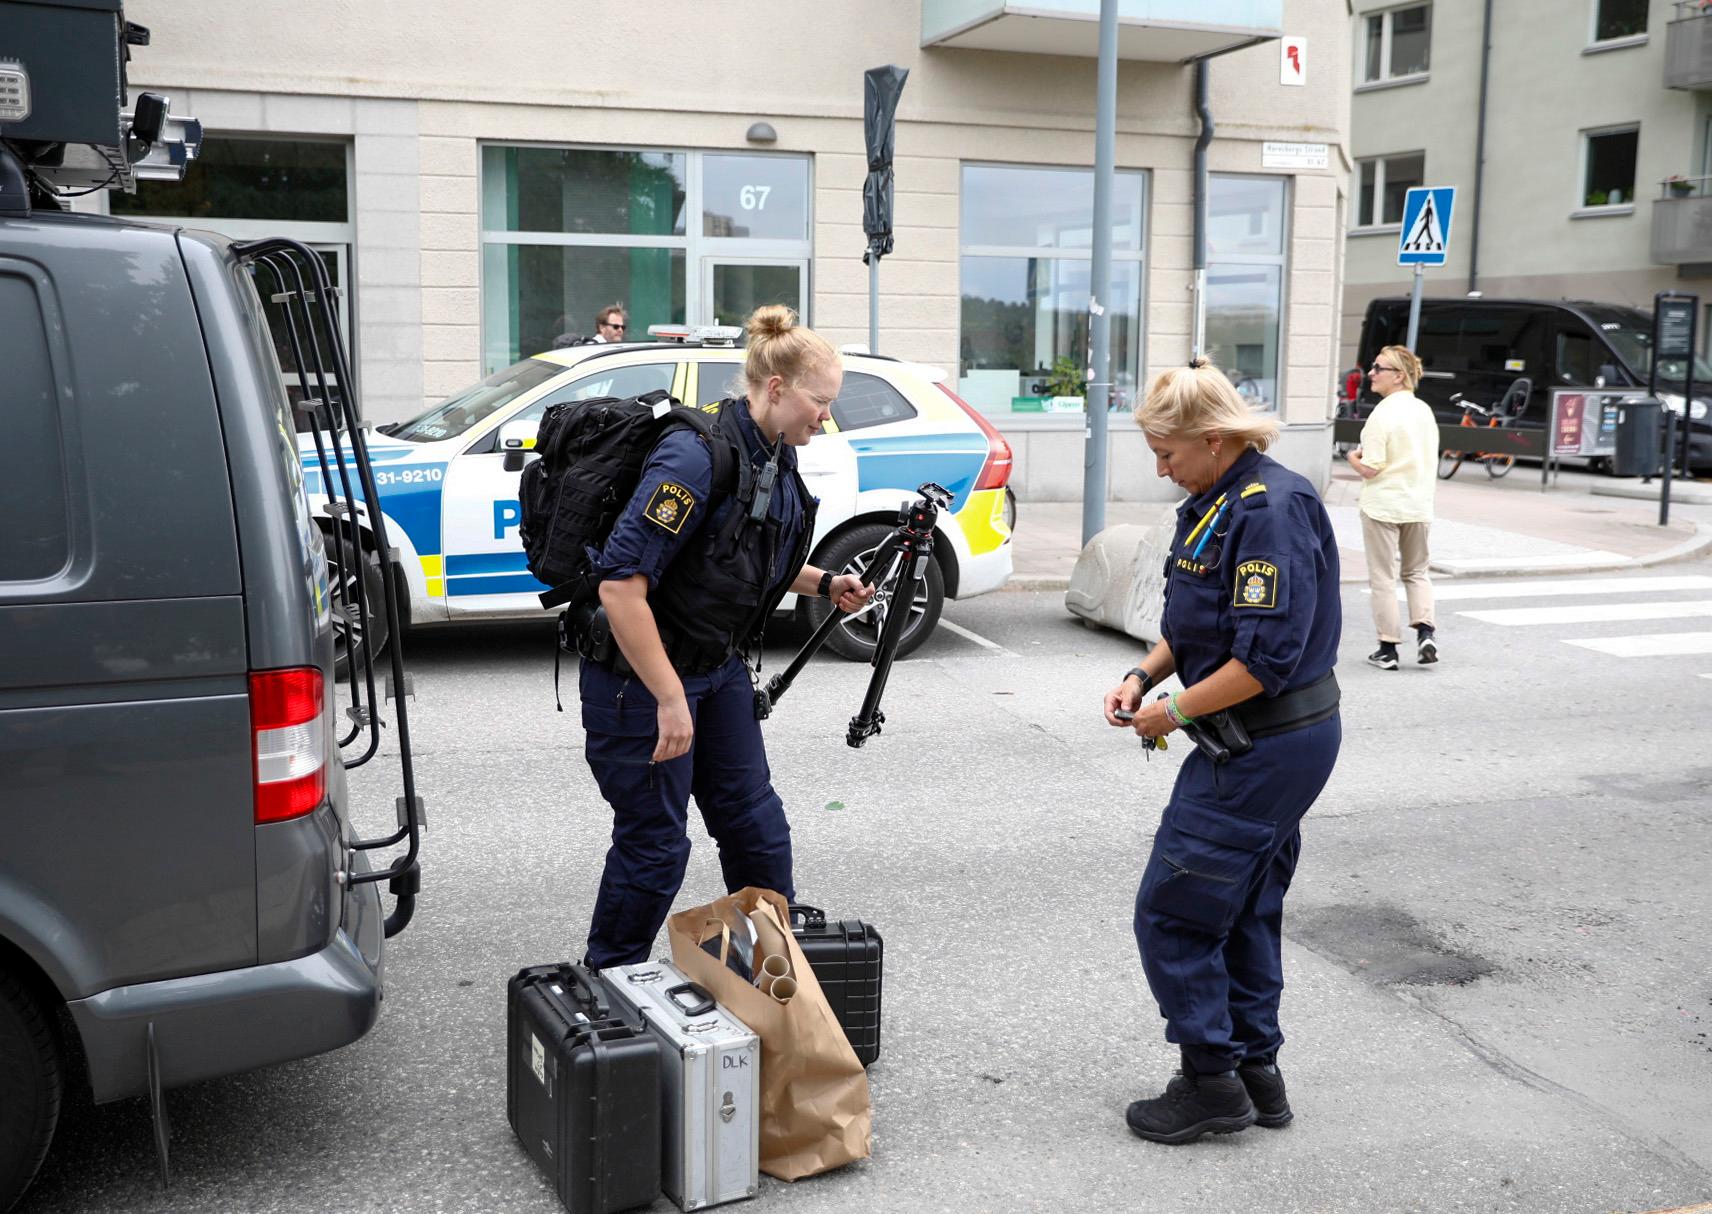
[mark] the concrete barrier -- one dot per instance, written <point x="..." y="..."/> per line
<point x="1119" y="578"/>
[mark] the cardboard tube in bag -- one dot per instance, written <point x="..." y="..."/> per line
<point x="774" y="965"/>
<point x="782" y="988"/>
<point x="769" y="941"/>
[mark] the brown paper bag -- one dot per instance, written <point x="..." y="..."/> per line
<point x="815" y="1114"/>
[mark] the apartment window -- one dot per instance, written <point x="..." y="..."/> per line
<point x="1246" y="270"/>
<point x="1026" y="270"/>
<point x="674" y="236"/>
<point x="1608" y="167"/>
<point x="1382" y="182"/>
<point x="1618" y="19"/>
<point x="1395" y="44"/>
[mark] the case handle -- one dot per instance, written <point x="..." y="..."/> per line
<point x="812" y="916"/>
<point x="699" y="1002"/>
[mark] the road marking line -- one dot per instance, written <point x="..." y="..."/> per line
<point x="1591" y="613"/>
<point x="1655" y="645"/>
<point x="980" y="640"/>
<point x="1446" y="591"/>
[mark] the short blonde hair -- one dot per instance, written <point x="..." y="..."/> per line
<point x="1408" y="366"/>
<point x="780" y="345"/>
<point x="1197" y="400"/>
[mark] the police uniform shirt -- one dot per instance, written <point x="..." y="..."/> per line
<point x="1263" y="588"/>
<point x="671" y="505"/>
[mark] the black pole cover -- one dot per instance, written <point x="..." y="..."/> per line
<point x="881" y="88"/>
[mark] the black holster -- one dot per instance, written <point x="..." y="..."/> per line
<point x="1219" y="735"/>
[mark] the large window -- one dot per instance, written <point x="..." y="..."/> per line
<point x="1382" y="182"/>
<point x="1608" y="167"/>
<point x="1395" y="44"/>
<point x="1245" y="282"/>
<point x="1614" y="19"/>
<point x="568" y="231"/>
<point x="1026" y="273"/>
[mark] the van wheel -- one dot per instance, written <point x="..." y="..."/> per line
<point x="348" y="633"/>
<point x="30" y="1078"/>
<point x="857" y="636"/>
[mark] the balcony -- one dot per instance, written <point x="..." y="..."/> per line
<point x="1163" y="31"/>
<point x="1688" y="47"/>
<point x="1682" y="222"/>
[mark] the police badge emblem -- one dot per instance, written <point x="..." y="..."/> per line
<point x="1256" y="584"/>
<point x="669" y="506"/>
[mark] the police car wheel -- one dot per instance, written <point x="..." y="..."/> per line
<point x="348" y="632"/>
<point x="856" y="637"/>
<point x="30" y="1077"/>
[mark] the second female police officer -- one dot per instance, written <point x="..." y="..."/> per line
<point x="689" y="575"/>
<point x="1251" y="624"/>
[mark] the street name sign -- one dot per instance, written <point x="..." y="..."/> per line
<point x="1425" y="236"/>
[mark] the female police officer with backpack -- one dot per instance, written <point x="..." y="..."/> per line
<point x="688" y="577"/>
<point x="1251" y="625"/>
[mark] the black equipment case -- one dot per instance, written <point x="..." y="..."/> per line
<point x="582" y="1090"/>
<point x="845" y="956"/>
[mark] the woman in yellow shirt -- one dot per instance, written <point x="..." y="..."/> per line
<point x="1397" y="459"/>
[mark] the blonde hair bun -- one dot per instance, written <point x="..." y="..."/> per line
<point x="1199" y="399"/>
<point x="773" y="320"/>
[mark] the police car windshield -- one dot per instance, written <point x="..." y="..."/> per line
<point x="1630" y="332"/>
<point x="456" y="414"/>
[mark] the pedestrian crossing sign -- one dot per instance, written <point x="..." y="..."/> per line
<point x="1425" y="236"/>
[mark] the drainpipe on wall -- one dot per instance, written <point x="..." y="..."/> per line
<point x="1198" y="331"/>
<point x="1480" y="151"/>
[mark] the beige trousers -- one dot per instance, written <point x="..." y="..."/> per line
<point x="1389" y="544"/>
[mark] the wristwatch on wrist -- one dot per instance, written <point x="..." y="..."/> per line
<point x="1137" y="672"/>
<point x="825" y="590"/>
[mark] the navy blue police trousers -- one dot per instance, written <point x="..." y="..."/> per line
<point x="725" y="770"/>
<point x="1209" y="914"/>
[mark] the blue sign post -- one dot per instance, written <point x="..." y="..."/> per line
<point x="1424" y="239"/>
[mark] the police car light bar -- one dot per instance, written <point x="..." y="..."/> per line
<point x="711" y="335"/>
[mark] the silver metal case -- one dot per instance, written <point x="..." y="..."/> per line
<point x="710" y="1079"/>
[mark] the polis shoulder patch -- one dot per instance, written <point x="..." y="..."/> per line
<point x="1256" y="584"/>
<point x="669" y="506"/>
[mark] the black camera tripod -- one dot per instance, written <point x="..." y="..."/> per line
<point x="910" y="546"/>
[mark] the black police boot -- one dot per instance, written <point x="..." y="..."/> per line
<point x="1191" y="1106"/>
<point x="1385" y="657"/>
<point x="1265" y="1084"/>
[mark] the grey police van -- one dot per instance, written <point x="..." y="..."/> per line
<point x="1480" y="347"/>
<point x="182" y="894"/>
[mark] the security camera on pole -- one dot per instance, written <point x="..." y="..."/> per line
<point x="1424" y="240"/>
<point x="881" y="87"/>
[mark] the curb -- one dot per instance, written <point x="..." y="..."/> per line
<point x="1695" y="545"/>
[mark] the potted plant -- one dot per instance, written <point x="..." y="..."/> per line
<point x="1679" y="187"/>
<point x="1065" y="386"/>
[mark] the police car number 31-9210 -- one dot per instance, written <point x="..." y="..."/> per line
<point x="447" y="480"/>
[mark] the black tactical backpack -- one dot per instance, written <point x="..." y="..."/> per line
<point x="592" y="452"/>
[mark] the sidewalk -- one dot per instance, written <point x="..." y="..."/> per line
<point x="1484" y="527"/>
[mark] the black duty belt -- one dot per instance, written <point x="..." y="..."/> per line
<point x="1294" y="709"/>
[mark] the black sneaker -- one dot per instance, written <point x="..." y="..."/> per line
<point x="1191" y="1106"/>
<point x="1265" y="1084"/>
<point x="1426" y="647"/>
<point x="1385" y="657"/>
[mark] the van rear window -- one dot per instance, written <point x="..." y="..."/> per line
<point x="35" y="540"/>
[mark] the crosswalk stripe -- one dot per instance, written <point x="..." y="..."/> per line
<point x="1653" y="645"/>
<point x="1445" y="592"/>
<point x="1591" y="613"/>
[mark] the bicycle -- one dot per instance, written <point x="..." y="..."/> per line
<point x="1497" y="463"/>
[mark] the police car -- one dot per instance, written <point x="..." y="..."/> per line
<point x="447" y="480"/>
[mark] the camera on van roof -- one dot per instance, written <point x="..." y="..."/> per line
<point x="63" y="122"/>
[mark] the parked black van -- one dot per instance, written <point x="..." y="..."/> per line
<point x="1479" y="347"/>
<point x="182" y="893"/>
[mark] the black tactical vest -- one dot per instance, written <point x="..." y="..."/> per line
<point x="715" y="597"/>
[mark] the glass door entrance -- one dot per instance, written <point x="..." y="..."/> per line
<point x="735" y="287"/>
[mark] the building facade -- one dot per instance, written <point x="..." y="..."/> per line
<point x="1597" y="163"/>
<point x="484" y="180"/>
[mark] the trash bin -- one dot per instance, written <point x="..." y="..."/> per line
<point x="1639" y="438"/>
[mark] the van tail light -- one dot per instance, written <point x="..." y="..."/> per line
<point x="289" y="718"/>
<point x="996" y="472"/>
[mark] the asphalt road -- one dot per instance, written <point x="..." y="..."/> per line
<point x="1498" y="1000"/>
